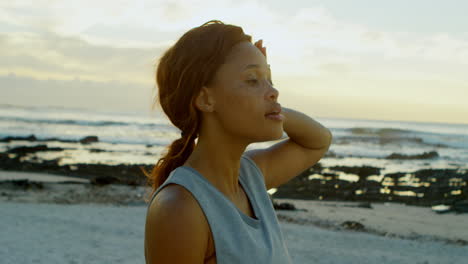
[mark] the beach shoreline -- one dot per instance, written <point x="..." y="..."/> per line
<point x="382" y="219"/>
<point x="110" y="233"/>
<point x="57" y="219"/>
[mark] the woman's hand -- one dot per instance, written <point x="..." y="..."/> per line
<point x="259" y="44"/>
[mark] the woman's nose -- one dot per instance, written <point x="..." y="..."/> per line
<point x="273" y="93"/>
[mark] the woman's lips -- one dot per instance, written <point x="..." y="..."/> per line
<point x="278" y="117"/>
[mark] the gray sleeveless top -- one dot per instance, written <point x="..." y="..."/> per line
<point x="238" y="238"/>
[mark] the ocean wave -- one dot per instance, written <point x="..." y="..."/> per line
<point x="80" y="122"/>
<point x="387" y="135"/>
<point x="386" y="131"/>
<point x="156" y="141"/>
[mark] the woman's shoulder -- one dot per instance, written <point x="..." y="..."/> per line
<point x="175" y="197"/>
<point x="175" y="222"/>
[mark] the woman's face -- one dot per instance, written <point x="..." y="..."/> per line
<point x="243" y="94"/>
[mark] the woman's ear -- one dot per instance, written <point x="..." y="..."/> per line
<point x="205" y="100"/>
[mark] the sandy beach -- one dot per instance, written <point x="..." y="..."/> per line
<point x="75" y="222"/>
<point x="97" y="233"/>
<point x="385" y="219"/>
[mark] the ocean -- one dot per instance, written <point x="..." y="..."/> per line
<point x="136" y="138"/>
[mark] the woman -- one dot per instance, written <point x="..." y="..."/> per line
<point x="210" y="202"/>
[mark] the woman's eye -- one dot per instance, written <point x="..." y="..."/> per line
<point x="254" y="81"/>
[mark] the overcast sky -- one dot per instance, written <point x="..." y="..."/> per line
<point x="387" y="60"/>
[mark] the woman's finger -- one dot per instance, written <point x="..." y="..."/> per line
<point x="258" y="44"/>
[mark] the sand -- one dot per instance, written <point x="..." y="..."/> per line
<point x="389" y="219"/>
<point x="81" y="223"/>
<point x="41" y="177"/>
<point x="93" y="233"/>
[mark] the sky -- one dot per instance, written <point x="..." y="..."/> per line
<point x="366" y="59"/>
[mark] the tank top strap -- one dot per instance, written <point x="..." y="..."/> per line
<point x="253" y="180"/>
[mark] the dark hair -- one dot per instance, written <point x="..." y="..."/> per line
<point x="183" y="70"/>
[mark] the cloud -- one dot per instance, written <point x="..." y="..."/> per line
<point x="108" y="95"/>
<point x="312" y="35"/>
<point x="311" y="50"/>
<point x="49" y="54"/>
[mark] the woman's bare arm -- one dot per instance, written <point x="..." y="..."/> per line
<point x="176" y="230"/>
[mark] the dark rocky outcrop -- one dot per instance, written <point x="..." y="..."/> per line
<point x="89" y="139"/>
<point x="435" y="185"/>
<point x="22" y="184"/>
<point x="34" y="138"/>
<point x="460" y="206"/>
<point x="23" y="150"/>
<point x="353" y="225"/>
<point x="425" y="155"/>
<point x="284" y="206"/>
<point x="28" y="138"/>
<point x="99" y="173"/>
<point x="103" y="180"/>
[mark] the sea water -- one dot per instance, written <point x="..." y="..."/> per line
<point x="141" y="138"/>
